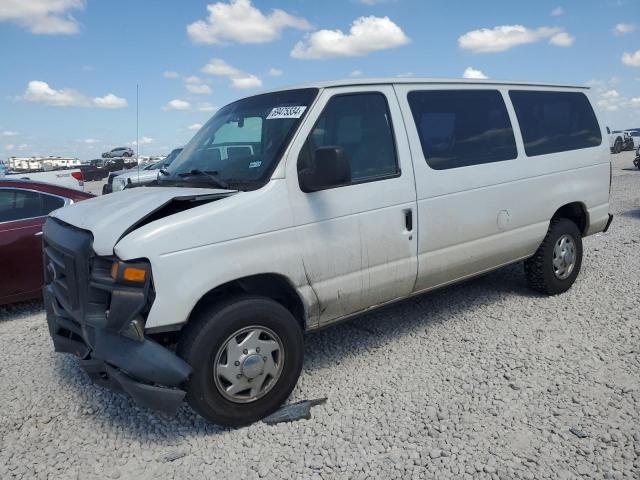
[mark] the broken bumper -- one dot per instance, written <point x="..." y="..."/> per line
<point x="90" y="314"/>
<point x="146" y="371"/>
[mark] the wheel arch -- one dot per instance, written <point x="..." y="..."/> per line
<point x="275" y="286"/>
<point x="577" y="213"/>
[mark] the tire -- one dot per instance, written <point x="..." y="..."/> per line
<point x="617" y="147"/>
<point x="540" y="269"/>
<point x="202" y="344"/>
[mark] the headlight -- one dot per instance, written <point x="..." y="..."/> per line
<point x="118" y="184"/>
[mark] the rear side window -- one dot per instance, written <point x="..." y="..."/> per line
<point x="18" y="204"/>
<point x="361" y="124"/>
<point x="459" y="128"/>
<point x="553" y="122"/>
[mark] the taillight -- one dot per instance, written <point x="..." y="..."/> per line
<point x="78" y="176"/>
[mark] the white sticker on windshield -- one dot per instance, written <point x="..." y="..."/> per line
<point x="287" y="112"/>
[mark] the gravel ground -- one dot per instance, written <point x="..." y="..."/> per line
<point x="480" y="380"/>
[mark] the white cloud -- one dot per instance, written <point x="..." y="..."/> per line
<point x="275" y="72"/>
<point x="239" y="21"/>
<point x="47" y="17"/>
<point x="505" y="37"/>
<point x="624" y="28"/>
<point x="405" y="75"/>
<point x="556" y="12"/>
<point x="195" y="126"/>
<point x="562" y="39"/>
<point x="635" y="101"/>
<point x="219" y="67"/>
<point x="170" y="74"/>
<point x="143" y="141"/>
<point x="373" y="2"/>
<point x="245" y="82"/>
<point x="20" y="147"/>
<point x="40" y="92"/>
<point x="239" y="79"/>
<point x="631" y="59"/>
<point x="88" y="141"/>
<point x="608" y="98"/>
<point x="110" y="101"/>
<point x="366" y="34"/>
<point x="177" y="104"/>
<point x="9" y="133"/>
<point x="206" y="107"/>
<point x="471" y="72"/>
<point x="356" y="73"/>
<point x="197" y="86"/>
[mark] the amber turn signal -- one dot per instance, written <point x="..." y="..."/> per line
<point x="129" y="274"/>
<point x="132" y="274"/>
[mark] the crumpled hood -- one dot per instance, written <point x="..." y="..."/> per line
<point x="109" y="217"/>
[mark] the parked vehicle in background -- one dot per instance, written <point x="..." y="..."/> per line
<point x="3" y="169"/>
<point x="633" y="138"/>
<point x="616" y="141"/>
<point x="24" y="206"/>
<point x="350" y="195"/>
<point x="133" y="177"/>
<point x="636" y="161"/>
<point x="91" y="172"/>
<point x="118" y="152"/>
<point x="626" y="139"/>
<point x="108" y="187"/>
<point x="64" y="178"/>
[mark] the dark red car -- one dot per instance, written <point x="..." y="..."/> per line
<point x="24" y="206"/>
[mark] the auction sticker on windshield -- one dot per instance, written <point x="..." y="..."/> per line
<point x="287" y="112"/>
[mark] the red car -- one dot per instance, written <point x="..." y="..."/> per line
<point x="24" y="206"/>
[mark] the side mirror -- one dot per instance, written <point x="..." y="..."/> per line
<point x="328" y="169"/>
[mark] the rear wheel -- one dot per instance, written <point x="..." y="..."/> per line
<point x="556" y="263"/>
<point x="246" y="355"/>
<point x="617" y="147"/>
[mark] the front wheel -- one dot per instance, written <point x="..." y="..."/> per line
<point x="556" y="264"/>
<point x="246" y="354"/>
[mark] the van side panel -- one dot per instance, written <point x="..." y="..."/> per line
<point x="475" y="218"/>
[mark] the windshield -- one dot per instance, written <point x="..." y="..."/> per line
<point x="168" y="160"/>
<point x="242" y="144"/>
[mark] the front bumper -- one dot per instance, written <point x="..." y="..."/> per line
<point x="87" y="316"/>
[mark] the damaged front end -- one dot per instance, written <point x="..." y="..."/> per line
<point x="96" y="309"/>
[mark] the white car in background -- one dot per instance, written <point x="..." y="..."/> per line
<point x="616" y="141"/>
<point x="65" y="178"/>
<point x="140" y="177"/>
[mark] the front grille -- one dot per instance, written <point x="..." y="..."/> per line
<point x="67" y="257"/>
<point x="59" y="273"/>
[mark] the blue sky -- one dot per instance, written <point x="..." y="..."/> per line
<point x="68" y="86"/>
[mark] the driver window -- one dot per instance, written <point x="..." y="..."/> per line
<point x="360" y="124"/>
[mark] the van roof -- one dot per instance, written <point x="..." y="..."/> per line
<point x="424" y="80"/>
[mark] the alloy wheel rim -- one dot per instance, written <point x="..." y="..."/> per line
<point x="248" y="364"/>
<point x="564" y="257"/>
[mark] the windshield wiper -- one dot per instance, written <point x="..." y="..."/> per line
<point x="210" y="175"/>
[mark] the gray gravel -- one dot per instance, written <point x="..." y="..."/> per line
<point x="484" y="380"/>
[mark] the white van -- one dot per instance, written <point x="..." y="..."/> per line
<point x="352" y="195"/>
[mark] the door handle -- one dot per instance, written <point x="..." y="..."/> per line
<point x="37" y="234"/>
<point x="408" y="220"/>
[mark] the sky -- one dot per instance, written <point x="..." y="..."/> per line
<point x="70" y="67"/>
